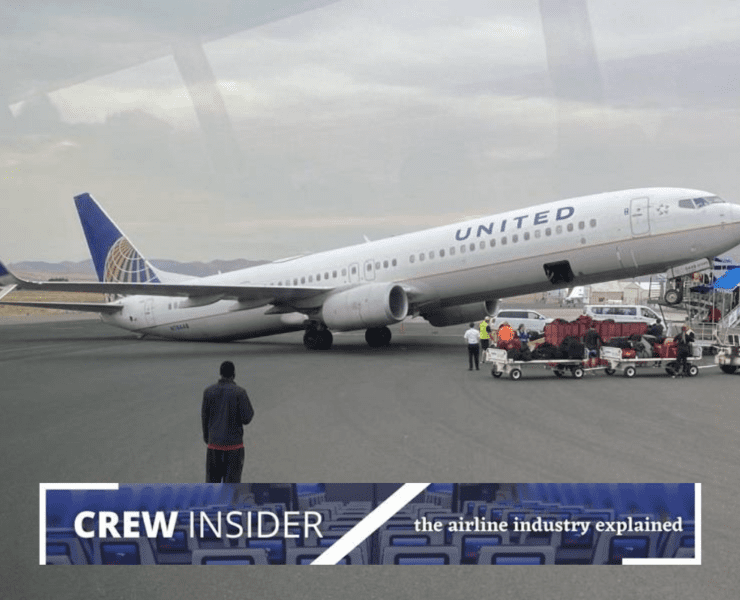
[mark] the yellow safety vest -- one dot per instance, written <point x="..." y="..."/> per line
<point x="483" y="333"/>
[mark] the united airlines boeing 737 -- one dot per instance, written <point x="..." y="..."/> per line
<point x="448" y="275"/>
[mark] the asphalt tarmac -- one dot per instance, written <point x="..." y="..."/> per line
<point x="83" y="402"/>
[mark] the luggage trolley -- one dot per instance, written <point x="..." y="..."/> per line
<point x="503" y="365"/>
<point x="628" y="366"/>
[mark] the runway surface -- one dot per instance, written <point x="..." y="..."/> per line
<point x="83" y="402"/>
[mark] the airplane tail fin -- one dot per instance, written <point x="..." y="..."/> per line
<point x="114" y="256"/>
<point x="6" y="277"/>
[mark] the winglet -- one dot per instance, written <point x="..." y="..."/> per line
<point x="114" y="257"/>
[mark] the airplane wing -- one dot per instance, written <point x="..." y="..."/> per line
<point x="197" y="294"/>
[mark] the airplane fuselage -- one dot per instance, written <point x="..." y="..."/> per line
<point x="561" y="244"/>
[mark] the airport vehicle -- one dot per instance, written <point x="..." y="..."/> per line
<point x="502" y="365"/>
<point x="622" y="313"/>
<point x="531" y="319"/>
<point x="728" y="354"/>
<point x="448" y="275"/>
<point x="628" y="366"/>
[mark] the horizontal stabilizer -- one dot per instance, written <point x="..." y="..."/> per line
<point x="96" y="307"/>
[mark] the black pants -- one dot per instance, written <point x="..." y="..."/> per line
<point x="224" y="466"/>
<point x="473" y="355"/>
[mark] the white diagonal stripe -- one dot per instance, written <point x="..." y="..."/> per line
<point x="365" y="528"/>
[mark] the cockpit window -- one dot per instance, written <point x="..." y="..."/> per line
<point x="700" y="202"/>
<point x="707" y="201"/>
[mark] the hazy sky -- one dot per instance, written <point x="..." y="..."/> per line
<point x="358" y="117"/>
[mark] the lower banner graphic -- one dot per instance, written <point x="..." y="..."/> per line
<point x="370" y="523"/>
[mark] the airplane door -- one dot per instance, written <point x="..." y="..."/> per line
<point x="149" y="311"/>
<point x="354" y="273"/>
<point x="639" y="216"/>
<point x="369" y="270"/>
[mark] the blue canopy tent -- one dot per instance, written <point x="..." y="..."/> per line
<point x="728" y="281"/>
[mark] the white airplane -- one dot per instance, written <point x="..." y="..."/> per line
<point x="448" y="275"/>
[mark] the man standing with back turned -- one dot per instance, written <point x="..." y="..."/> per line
<point x="226" y="409"/>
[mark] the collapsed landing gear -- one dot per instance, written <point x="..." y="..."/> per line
<point x="317" y="338"/>
<point x="378" y="336"/>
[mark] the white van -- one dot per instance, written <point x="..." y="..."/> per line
<point x="531" y="319"/>
<point x="622" y="313"/>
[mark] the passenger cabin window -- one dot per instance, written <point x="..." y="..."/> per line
<point x="412" y="258"/>
<point x="394" y="262"/>
<point x="570" y="226"/>
<point x="442" y="253"/>
<point x="493" y="242"/>
<point x="452" y="251"/>
<point x="592" y="222"/>
<point x="514" y="238"/>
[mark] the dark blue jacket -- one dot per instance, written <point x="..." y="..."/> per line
<point x="226" y="409"/>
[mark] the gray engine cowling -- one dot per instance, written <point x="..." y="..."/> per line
<point x="372" y="305"/>
<point x="463" y="313"/>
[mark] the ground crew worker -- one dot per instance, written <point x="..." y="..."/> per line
<point x="472" y="337"/>
<point x="485" y="334"/>
<point x="505" y="334"/>
<point x="683" y="350"/>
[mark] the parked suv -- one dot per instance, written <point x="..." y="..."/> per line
<point x="533" y="321"/>
<point x="621" y="313"/>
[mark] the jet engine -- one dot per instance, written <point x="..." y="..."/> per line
<point x="463" y="313"/>
<point x="366" y="306"/>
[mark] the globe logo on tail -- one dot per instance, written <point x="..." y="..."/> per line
<point x="125" y="265"/>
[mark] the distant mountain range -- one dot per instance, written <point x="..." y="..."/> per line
<point x="85" y="270"/>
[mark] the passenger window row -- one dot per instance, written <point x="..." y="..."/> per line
<point x="472" y="246"/>
<point x="327" y="275"/>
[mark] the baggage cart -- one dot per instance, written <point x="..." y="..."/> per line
<point x="628" y="366"/>
<point x="503" y="365"/>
